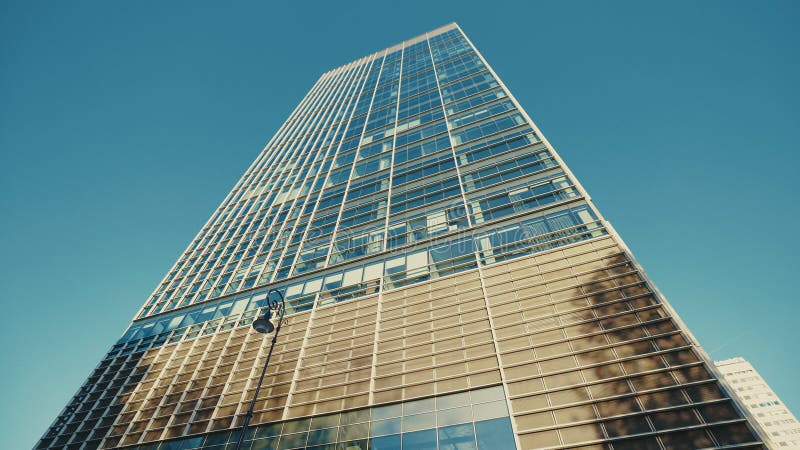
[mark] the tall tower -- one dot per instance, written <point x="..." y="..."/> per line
<point x="449" y="284"/>
<point x="762" y="402"/>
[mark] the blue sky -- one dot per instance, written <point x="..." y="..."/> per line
<point x="124" y="124"/>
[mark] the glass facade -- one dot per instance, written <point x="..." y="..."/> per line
<point x="449" y="285"/>
<point x="465" y="420"/>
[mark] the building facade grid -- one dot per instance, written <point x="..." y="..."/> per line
<point x="779" y="424"/>
<point x="434" y="250"/>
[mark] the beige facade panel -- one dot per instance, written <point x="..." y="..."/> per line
<point x="588" y="351"/>
<point x="585" y="348"/>
<point x="434" y="338"/>
<point x="203" y="384"/>
<point x="334" y="372"/>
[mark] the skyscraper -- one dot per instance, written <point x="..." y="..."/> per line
<point x="449" y="284"/>
<point x="762" y="402"/>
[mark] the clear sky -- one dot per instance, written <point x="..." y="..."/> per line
<point x="124" y="124"/>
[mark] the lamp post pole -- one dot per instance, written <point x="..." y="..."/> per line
<point x="264" y="326"/>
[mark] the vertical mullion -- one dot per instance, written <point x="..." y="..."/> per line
<point x="223" y="205"/>
<point x="394" y="148"/>
<point x="279" y="255"/>
<point x="285" y="249"/>
<point x="319" y="117"/>
<point x="449" y="135"/>
<point x="278" y="155"/>
<point x="353" y="164"/>
<point x="353" y="100"/>
<point x="277" y="174"/>
<point x="322" y="118"/>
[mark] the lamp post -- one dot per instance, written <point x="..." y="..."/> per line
<point x="263" y="325"/>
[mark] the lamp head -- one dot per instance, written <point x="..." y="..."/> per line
<point x="263" y="325"/>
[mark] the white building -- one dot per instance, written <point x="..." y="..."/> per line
<point x="762" y="402"/>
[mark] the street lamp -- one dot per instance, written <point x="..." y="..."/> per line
<point x="264" y="325"/>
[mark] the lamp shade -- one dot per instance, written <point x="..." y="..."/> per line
<point x="263" y="325"/>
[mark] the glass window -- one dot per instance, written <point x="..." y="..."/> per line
<point x="386" y="443"/>
<point x="322" y="447"/>
<point x="383" y="412"/>
<point x="268" y="430"/>
<point x="453" y="400"/>
<point x="384" y="427"/>
<point x="491" y="410"/>
<point x="420" y="440"/>
<point x="325" y="421"/>
<point x="495" y="434"/>
<point x="352" y="277"/>
<point x="313" y="286"/>
<point x="264" y="444"/>
<point x="357" y="431"/>
<point x="454" y="416"/>
<point x="419" y="406"/>
<point x="183" y="444"/>
<point x="457" y="437"/>
<point x="417" y="260"/>
<point x="373" y="271"/>
<point x="362" y="444"/>
<point x="464" y="88"/>
<point x="488" y="394"/>
<point x="419" y="422"/>
<point x="291" y="441"/>
<point x="323" y="436"/>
